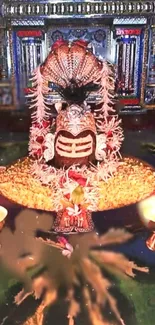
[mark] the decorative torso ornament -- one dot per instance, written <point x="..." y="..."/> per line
<point x="77" y="221"/>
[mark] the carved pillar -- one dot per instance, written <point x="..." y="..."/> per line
<point x="149" y="95"/>
<point x="3" y="51"/>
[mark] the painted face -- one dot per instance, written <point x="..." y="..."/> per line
<point x="75" y="140"/>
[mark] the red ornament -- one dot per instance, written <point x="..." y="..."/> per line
<point x="67" y="196"/>
<point x="62" y="241"/>
<point x="62" y="181"/>
<point x="77" y="177"/>
<point x="58" y="44"/>
<point x="40" y="139"/>
<point x="44" y="148"/>
<point x="45" y="124"/>
<point x="109" y="134"/>
<point x="29" y="90"/>
<point x="44" y="167"/>
<point x="109" y="118"/>
<point x="37" y="125"/>
<point x="73" y="175"/>
<point x="109" y="147"/>
<point x="38" y="153"/>
<point x="82" y="181"/>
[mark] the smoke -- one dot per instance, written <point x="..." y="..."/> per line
<point x="20" y="250"/>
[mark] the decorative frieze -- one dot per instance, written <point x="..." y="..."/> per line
<point x="65" y="9"/>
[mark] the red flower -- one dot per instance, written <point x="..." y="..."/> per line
<point x="45" y="124"/>
<point x="62" y="240"/>
<point x="40" y="139"/>
<point x="77" y="177"/>
<point x="73" y="175"/>
<point x="44" y="167"/>
<point x="37" y="125"/>
<point x="67" y="196"/>
<point x="109" y="134"/>
<point x="58" y="44"/>
<point x="82" y="181"/>
<point x="62" y="180"/>
<point x="38" y="153"/>
<point x="44" y="148"/>
<point x="110" y="148"/>
<point x="29" y="90"/>
<point x="109" y="118"/>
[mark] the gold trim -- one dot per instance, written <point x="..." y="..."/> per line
<point x="4" y="84"/>
<point x="150" y="85"/>
<point x="144" y="68"/>
<point x="7" y="107"/>
<point x="149" y="107"/>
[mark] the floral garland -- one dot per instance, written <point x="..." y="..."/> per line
<point x="40" y="131"/>
<point x="76" y="186"/>
<point x="41" y="146"/>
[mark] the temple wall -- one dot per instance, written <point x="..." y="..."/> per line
<point x="116" y="32"/>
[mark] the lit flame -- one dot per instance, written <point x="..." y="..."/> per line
<point x="3" y="213"/>
<point x="147" y="209"/>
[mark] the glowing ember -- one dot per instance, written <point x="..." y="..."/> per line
<point x="147" y="211"/>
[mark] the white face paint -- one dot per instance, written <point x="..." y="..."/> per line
<point x="74" y="148"/>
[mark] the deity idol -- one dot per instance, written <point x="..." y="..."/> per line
<point x="74" y="146"/>
<point x="84" y="84"/>
<point x="84" y="134"/>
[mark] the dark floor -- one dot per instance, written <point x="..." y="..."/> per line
<point x="133" y="142"/>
